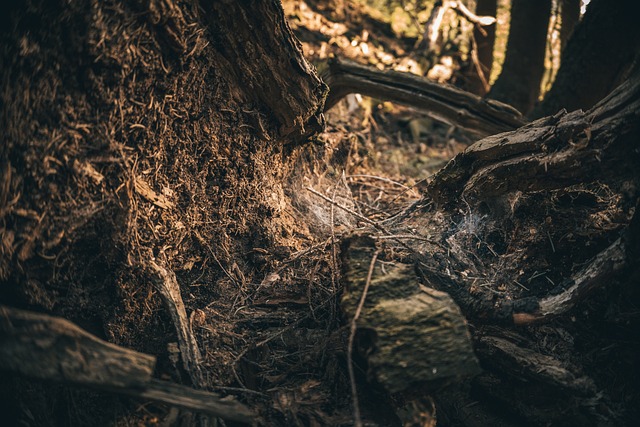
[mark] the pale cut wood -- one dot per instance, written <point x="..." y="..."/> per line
<point x="445" y="103"/>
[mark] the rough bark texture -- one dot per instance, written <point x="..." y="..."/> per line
<point x="442" y="102"/>
<point x="255" y="40"/>
<point x="411" y="336"/>
<point x="591" y="65"/>
<point x="519" y="82"/>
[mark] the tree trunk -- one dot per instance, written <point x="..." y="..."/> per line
<point x="569" y="18"/>
<point x="519" y="82"/>
<point x="255" y="42"/>
<point x="485" y="38"/>
<point x="144" y="142"/>
<point x="592" y="66"/>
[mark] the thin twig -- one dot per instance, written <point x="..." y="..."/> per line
<point x="380" y="178"/>
<point x="352" y="335"/>
<point x="346" y="209"/>
<point x="410" y="237"/>
<point x="365" y="219"/>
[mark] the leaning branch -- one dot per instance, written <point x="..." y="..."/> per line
<point x="445" y="103"/>
<point x="165" y="282"/>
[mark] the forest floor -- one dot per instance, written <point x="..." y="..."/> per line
<point x="259" y="271"/>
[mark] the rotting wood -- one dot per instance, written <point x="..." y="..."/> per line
<point x="584" y="282"/>
<point x="479" y="116"/>
<point x="256" y="40"/>
<point x="546" y="153"/>
<point x="413" y="336"/>
<point x="166" y="283"/>
<point x="508" y="192"/>
<point x="505" y="356"/>
<point x="54" y="349"/>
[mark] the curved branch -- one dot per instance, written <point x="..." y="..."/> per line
<point x="448" y="104"/>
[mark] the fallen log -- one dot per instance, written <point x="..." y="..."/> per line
<point x="442" y="102"/>
<point x="54" y="349"/>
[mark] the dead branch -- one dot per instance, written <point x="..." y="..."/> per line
<point x="462" y="10"/>
<point x="584" y="282"/>
<point x="507" y="357"/>
<point x="52" y="348"/>
<point x="445" y="103"/>
<point x="437" y="15"/>
<point x="165" y="282"/>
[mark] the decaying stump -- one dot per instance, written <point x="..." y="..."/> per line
<point x="520" y="229"/>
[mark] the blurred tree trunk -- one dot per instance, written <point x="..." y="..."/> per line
<point x="597" y="56"/>
<point x="569" y="18"/>
<point x="519" y="82"/>
<point x="485" y="40"/>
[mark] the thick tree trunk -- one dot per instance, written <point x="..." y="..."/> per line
<point x="519" y="82"/>
<point x="591" y="65"/>
<point x="569" y="18"/>
<point x="256" y="41"/>
<point x="142" y="141"/>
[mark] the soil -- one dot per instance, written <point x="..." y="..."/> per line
<point x="117" y="151"/>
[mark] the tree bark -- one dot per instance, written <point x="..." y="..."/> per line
<point x="485" y="38"/>
<point x="255" y="40"/>
<point x="519" y="82"/>
<point x="597" y="56"/>
<point x="448" y="104"/>
<point x="569" y="18"/>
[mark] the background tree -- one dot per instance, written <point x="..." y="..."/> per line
<point x="485" y="38"/>
<point x="569" y="18"/>
<point x="523" y="68"/>
<point x="592" y="66"/>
